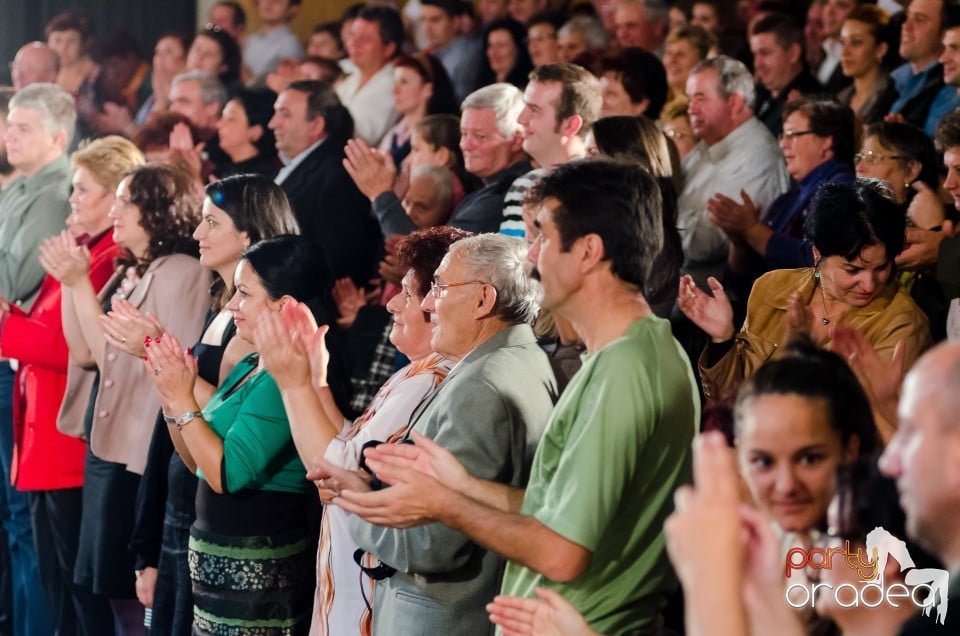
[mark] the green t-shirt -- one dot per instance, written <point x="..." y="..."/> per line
<point x="258" y="450"/>
<point x="616" y="447"/>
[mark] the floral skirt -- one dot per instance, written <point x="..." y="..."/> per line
<point x="251" y="586"/>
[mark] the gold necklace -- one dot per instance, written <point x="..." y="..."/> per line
<point x="825" y="318"/>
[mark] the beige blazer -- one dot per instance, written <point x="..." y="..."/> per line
<point x="175" y="289"/>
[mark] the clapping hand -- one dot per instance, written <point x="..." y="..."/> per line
<point x="713" y="314"/>
<point x="548" y="615"/>
<point x="63" y="259"/>
<point x="127" y="329"/>
<point x="173" y="370"/>
<point x="281" y="351"/>
<point x="732" y="217"/>
<point x="371" y="170"/>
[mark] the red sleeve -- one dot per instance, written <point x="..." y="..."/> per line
<point x="37" y="338"/>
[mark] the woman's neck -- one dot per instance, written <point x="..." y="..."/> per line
<point x="864" y="85"/>
<point x="241" y="153"/>
<point x="411" y="119"/>
<point x="226" y="271"/>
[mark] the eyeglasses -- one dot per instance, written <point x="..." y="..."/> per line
<point x="873" y="158"/>
<point x="439" y="290"/>
<point x="793" y="134"/>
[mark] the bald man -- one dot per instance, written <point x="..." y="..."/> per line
<point x="924" y="457"/>
<point x="34" y="63"/>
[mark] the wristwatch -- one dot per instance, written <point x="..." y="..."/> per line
<point x="186" y="418"/>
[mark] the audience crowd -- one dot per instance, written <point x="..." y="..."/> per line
<point x="558" y="317"/>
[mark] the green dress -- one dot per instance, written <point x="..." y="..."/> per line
<point x="251" y="547"/>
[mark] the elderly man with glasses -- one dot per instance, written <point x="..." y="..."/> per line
<point x="489" y="412"/>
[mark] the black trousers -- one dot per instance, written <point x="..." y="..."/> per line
<point x="55" y="517"/>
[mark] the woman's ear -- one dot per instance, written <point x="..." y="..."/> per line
<point x="444" y="156"/>
<point x="254" y="133"/>
<point x="852" y="449"/>
<point x="816" y="256"/>
<point x="881" y="52"/>
<point x="913" y="171"/>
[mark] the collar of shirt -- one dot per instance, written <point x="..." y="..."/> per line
<point x="731" y="143"/>
<point x="53" y="171"/>
<point x="289" y="165"/>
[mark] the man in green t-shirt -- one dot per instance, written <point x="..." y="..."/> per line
<point x="590" y="522"/>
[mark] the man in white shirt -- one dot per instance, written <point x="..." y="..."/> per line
<point x="736" y="152"/>
<point x="373" y="41"/>
<point x="273" y="42"/>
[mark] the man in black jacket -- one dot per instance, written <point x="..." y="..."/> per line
<point x="311" y="127"/>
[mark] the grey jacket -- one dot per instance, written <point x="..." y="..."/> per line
<point x="490" y="413"/>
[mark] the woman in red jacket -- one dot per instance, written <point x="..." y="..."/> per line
<point x="48" y="463"/>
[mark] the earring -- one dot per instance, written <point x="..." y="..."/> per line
<point x="816" y="274"/>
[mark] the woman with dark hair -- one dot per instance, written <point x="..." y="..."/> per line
<point x="215" y="51"/>
<point x="169" y="60"/>
<point x="507" y="59"/>
<point x="155" y="211"/>
<point x="856" y="232"/>
<point x="863" y="46"/>
<point x="68" y="35"/>
<point x="807" y="394"/>
<point x="237" y="211"/>
<point x="640" y="139"/>
<point x="798" y="421"/>
<point x="243" y="135"/>
<point x="294" y="353"/>
<point x="252" y="541"/>
<point x="421" y="87"/>
<point x="818" y="144"/>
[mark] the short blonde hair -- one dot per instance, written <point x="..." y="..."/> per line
<point x="107" y="159"/>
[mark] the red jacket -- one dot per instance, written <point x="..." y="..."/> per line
<point x="43" y="457"/>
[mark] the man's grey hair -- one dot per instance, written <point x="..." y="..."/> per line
<point x="441" y="178"/>
<point x="593" y="32"/>
<point x="653" y="10"/>
<point x="732" y="77"/>
<point x="504" y="99"/>
<point x="501" y="261"/>
<point x="55" y="105"/>
<point x="211" y="90"/>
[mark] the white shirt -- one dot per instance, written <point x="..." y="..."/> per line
<point x="370" y="105"/>
<point x="832" y="48"/>
<point x="749" y="159"/>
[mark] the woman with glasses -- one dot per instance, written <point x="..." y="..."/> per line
<point x="818" y="143"/>
<point x="863" y="48"/>
<point x="856" y="232"/>
<point x="293" y="352"/>
<point x="904" y="158"/>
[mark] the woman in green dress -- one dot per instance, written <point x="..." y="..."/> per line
<point x="252" y="545"/>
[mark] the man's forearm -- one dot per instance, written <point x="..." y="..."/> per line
<point x="502" y="497"/>
<point x="517" y="537"/>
